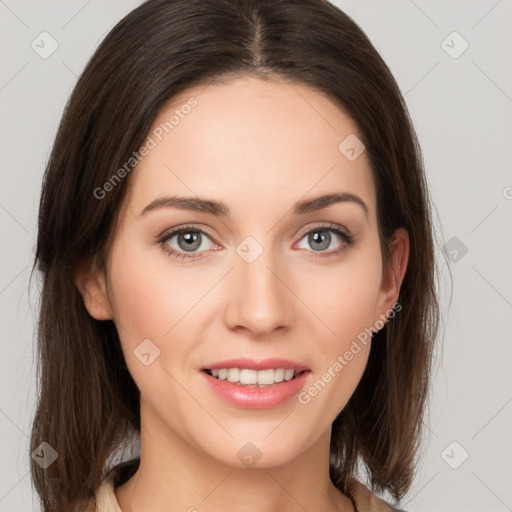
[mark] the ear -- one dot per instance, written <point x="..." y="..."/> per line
<point x="91" y="283"/>
<point x="392" y="276"/>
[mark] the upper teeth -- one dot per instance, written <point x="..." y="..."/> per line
<point x="246" y="376"/>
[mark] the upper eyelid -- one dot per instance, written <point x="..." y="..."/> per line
<point x="176" y="231"/>
<point x="326" y="226"/>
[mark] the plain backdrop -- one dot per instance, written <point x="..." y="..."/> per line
<point x="452" y="60"/>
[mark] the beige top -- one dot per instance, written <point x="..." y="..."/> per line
<point x="364" y="500"/>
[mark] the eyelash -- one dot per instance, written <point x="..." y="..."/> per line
<point x="348" y="241"/>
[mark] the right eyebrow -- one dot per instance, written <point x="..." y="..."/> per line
<point x="188" y="203"/>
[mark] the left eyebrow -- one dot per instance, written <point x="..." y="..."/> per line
<point x="218" y="208"/>
<point x="319" y="202"/>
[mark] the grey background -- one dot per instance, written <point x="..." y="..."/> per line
<point x="462" y="110"/>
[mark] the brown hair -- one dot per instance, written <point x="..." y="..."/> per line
<point x="88" y="403"/>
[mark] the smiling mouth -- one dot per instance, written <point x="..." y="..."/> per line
<point x="254" y="378"/>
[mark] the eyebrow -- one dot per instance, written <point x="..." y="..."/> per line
<point x="218" y="208"/>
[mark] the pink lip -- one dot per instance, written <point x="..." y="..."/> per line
<point x="255" y="397"/>
<point x="254" y="364"/>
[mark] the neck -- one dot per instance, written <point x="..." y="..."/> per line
<point x="173" y="475"/>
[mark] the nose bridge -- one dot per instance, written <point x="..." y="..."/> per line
<point x="259" y="300"/>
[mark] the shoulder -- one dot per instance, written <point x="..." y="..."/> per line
<point x="106" y="500"/>
<point x="105" y="497"/>
<point x="365" y="500"/>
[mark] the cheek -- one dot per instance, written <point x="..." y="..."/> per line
<point x="153" y="300"/>
<point x="345" y="297"/>
<point x="148" y="299"/>
<point x="149" y="304"/>
<point x="138" y="299"/>
<point x="345" y="301"/>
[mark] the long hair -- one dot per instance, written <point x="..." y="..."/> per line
<point x="88" y="403"/>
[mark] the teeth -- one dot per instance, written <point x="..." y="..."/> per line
<point x="233" y="374"/>
<point x="264" y="377"/>
<point x="279" y="375"/>
<point x="246" y="377"/>
<point x="288" y="374"/>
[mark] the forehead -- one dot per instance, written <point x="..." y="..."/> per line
<point x="251" y="140"/>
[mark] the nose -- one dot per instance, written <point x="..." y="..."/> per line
<point x="260" y="295"/>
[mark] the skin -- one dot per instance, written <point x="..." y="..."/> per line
<point x="258" y="146"/>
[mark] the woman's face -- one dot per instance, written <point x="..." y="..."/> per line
<point x="263" y="279"/>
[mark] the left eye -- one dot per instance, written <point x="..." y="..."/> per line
<point x="320" y="239"/>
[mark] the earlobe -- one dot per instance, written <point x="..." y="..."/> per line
<point x="91" y="284"/>
<point x="393" y="276"/>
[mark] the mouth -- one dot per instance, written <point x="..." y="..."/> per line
<point x="264" y="386"/>
<point x="247" y="377"/>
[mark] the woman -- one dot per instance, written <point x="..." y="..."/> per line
<point x="238" y="267"/>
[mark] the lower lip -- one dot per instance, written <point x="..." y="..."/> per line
<point x="255" y="397"/>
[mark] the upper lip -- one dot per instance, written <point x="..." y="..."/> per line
<point x="257" y="364"/>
